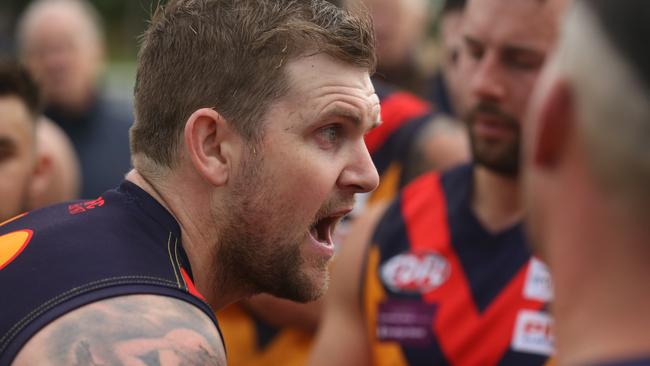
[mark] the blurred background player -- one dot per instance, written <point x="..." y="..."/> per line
<point x="401" y="28"/>
<point x="444" y="90"/>
<point x="587" y="163"/>
<point x="417" y="47"/>
<point x="19" y="112"/>
<point x="61" y="43"/>
<point x="445" y="276"/>
<point x="58" y="167"/>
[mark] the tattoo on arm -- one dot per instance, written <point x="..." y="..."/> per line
<point x="138" y="330"/>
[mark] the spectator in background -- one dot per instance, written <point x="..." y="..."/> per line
<point x="409" y="58"/>
<point x="445" y="84"/>
<point x="587" y="160"/>
<point x="61" y="43"/>
<point x="19" y="110"/>
<point x="58" y="167"/>
<point x="400" y="29"/>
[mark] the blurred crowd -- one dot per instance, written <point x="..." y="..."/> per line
<point x="470" y="155"/>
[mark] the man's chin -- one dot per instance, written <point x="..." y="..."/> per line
<point x="504" y="163"/>
<point x="504" y="170"/>
<point x="311" y="285"/>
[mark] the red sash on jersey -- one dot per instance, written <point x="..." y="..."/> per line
<point x="466" y="336"/>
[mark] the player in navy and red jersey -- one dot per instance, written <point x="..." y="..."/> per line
<point x="443" y="275"/>
<point x="438" y="288"/>
<point x="586" y="154"/>
<point x="247" y="150"/>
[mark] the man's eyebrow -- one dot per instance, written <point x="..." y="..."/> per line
<point x="520" y="49"/>
<point x="471" y="40"/>
<point x="509" y="48"/>
<point x="6" y="142"/>
<point x="340" y="112"/>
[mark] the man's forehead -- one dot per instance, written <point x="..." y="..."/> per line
<point x="14" y="116"/>
<point x="521" y="23"/>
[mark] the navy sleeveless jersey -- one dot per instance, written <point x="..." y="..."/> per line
<point x="62" y="257"/>
<point x="439" y="289"/>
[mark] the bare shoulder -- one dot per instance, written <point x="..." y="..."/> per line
<point x="137" y="330"/>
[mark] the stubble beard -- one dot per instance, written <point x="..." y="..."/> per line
<point x="500" y="157"/>
<point x="255" y="253"/>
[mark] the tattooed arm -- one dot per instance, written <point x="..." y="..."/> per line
<point x="136" y="330"/>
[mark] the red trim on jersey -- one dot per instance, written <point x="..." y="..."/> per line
<point x="396" y="109"/>
<point x="190" y="285"/>
<point x="13" y="218"/>
<point x="466" y="336"/>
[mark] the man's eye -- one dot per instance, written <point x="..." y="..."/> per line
<point x="474" y="51"/>
<point x="6" y="152"/>
<point x="330" y="135"/>
<point x="525" y="62"/>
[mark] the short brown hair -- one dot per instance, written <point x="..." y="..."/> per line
<point x="230" y="55"/>
<point x="16" y="81"/>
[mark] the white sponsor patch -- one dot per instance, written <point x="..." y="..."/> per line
<point x="533" y="333"/>
<point x="538" y="282"/>
<point x="419" y="273"/>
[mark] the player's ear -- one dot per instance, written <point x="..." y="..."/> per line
<point x="556" y="121"/>
<point x="41" y="179"/>
<point x="211" y="142"/>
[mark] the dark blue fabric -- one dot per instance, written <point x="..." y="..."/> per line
<point x="490" y="260"/>
<point x="631" y="362"/>
<point x="129" y="244"/>
<point x="101" y="139"/>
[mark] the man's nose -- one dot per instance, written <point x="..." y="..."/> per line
<point x="360" y="174"/>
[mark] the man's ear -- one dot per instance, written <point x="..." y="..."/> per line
<point x="556" y="121"/>
<point x="210" y="142"/>
<point x="41" y="179"/>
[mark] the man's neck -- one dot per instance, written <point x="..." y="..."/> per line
<point x="602" y="306"/>
<point x="495" y="199"/>
<point x="199" y="238"/>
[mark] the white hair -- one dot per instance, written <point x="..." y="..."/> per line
<point x="613" y="106"/>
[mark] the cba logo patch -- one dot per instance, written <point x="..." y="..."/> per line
<point x="12" y="244"/>
<point x="416" y="273"/>
<point x="533" y="333"/>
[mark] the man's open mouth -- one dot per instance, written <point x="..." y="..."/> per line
<point x="323" y="229"/>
